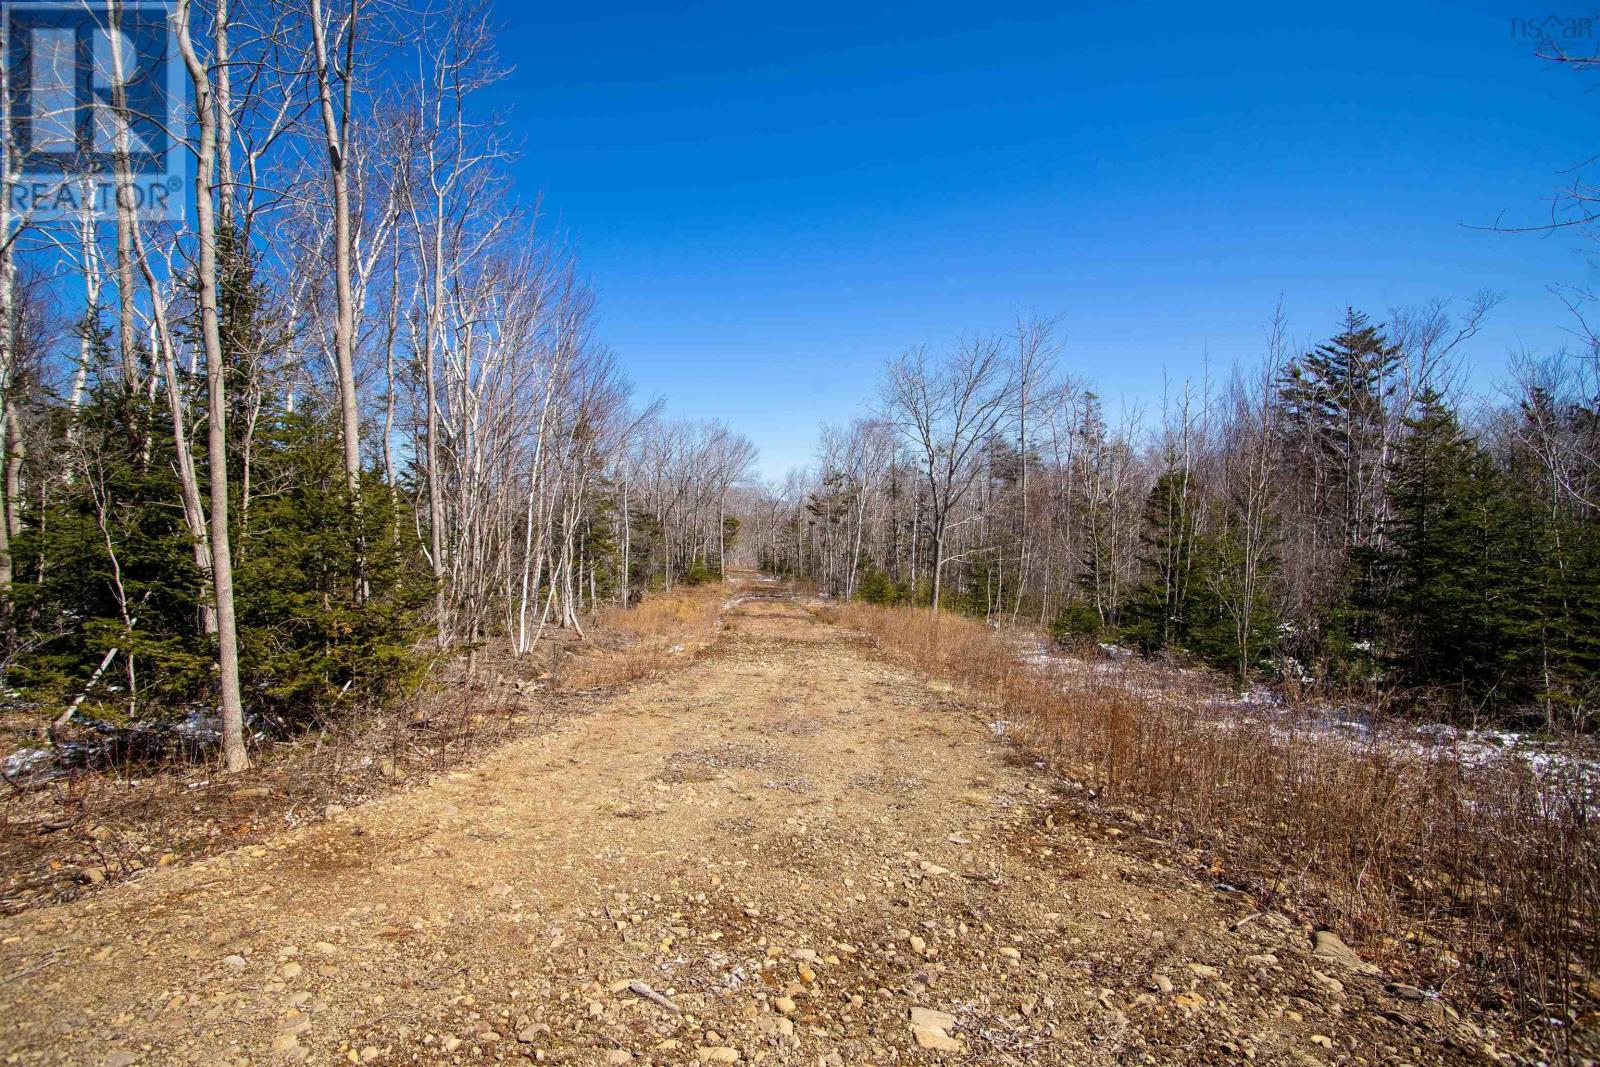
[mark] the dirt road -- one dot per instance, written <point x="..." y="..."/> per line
<point x="795" y="851"/>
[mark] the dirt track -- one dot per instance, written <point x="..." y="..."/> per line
<point x="792" y="842"/>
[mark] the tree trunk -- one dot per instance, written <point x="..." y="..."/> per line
<point x="233" y="746"/>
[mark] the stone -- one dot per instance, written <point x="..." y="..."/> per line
<point x="932" y="870"/>
<point x="369" y="1054"/>
<point x="918" y="945"/>
<point x="120" y="1058"/>
<point x="618" y="1056"/>
<point x="285" y="1042"/>
<point x="1201" y="970"/>
<point x="930" y="1017"/>
<point x="238" y="963"/>
<point x="719" y="1054"/>
<point x="290" y="971"/>
<point x="785" y="1005"/>
<point x="1329" y="983"/>
<point x="1327" y="945"/>
<point x="935" y="1039"/>
<point x="1011" y="953"/>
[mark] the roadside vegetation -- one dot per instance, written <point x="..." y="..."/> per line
<point x="1479" y="881"/>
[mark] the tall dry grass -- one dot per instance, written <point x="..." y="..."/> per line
<point x="1481" y="881"/>
<point x="661" y="631"/>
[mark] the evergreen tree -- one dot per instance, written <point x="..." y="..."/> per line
<point x="104" y="561"/>
<point x="1231" y="621"/>
<point x="1456" y="622"/>
<point x="1159" y="608"/>
<point x="308" y="645"/>
<point x="1557" y="546"/>
<point x="1335" y="401"/>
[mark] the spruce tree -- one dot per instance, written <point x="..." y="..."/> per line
<point x="1454" y="618"/>
<point x="1159" y="608"/>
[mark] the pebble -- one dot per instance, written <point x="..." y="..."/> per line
<point x="719" y="1054"/>
<point x="932" y="1018"/>
<point x="935" y="1039"/>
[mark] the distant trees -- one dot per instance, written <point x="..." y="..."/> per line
<point x="946" y="411"/>
<point x="1329" y="517"/>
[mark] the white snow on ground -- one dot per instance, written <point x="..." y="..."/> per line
<point x="1199" y="695"/>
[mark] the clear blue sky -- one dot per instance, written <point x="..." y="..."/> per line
<point x="771" y="199"/>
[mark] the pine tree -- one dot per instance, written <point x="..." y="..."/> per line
<point x="1231" y="621"/>
<point x="1454" y="617"/>
<point x="1159" y="608"/>
<point x="1335" y="401"/>
<point x="104" y="561"/>
<point x="1557" y="545"/>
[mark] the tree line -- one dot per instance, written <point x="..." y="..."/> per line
<point x="347" y="416"/>
<point x="1343" y="515"/>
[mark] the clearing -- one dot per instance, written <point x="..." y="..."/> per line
<point x="794" y="850"/>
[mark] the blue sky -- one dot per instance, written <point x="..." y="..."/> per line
<point x="771" y="200"/>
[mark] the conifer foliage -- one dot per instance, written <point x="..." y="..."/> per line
<point x="1330" y="518"/>
<point x="267" y="464"/>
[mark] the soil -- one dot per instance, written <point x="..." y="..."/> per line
<point x="790" y="852"/>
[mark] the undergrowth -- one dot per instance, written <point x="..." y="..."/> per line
<point x="1480" y="881"/>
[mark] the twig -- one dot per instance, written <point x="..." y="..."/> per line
<point x="36" y="968"/>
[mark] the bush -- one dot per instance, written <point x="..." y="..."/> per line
<point x="701" y="573"/>
<point x="877" y="588"/>
<point x="1077" y="623"/>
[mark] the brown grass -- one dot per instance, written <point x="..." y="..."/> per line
<point x="663" y="631"/>
<point x="1483" y="882"/>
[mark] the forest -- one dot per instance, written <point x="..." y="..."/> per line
<point x="346" y="419"/>
<point x="1343" y="516"/>
<point x="350" y="418"/>
<point x="385" y="679"/>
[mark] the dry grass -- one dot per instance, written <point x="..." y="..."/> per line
<point x="1480" y="881"/>
<point x="664" y="630"/>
